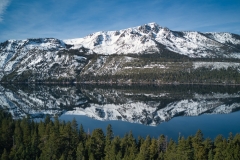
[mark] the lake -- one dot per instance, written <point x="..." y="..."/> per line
<point x="171" y="110"/>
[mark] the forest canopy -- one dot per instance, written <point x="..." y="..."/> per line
<point x="54" y="139"/>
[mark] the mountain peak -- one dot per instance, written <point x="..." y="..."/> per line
<point x="153" y="24"/>
<point x="146" y="39"/>
<point x="149" y="27"/>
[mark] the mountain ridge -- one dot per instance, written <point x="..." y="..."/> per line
<point x="137" y="50"/>
<point x="144" y="39"/>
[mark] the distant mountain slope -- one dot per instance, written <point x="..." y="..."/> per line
<point x="136" y="50"/>
<point x="41" y="58"/>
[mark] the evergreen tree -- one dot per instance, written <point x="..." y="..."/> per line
<point x="208" y="145"/>
<point x="237" y="151"/>
<point x="153" y="150"/>
<point x="80" y="152"/>
<point x="56" y="125"/>
<point x="47" y="119"/>
<point x="131" y="150"/>
<point x="162" y="143"/>
<point x="35" y="151"/>
<point x="74" y="138"/>
<point x="220" y="145"/>
<point x="115" y="150"/>
<point x="66" y="142"/>
<point x="109" y="137"/>
<point x="60" y="140"/>
<point x="184" y="149"/>
<point x="139" y="142"/>
<point x="199" y="150"/>
<point x="41" y="129"/>
<point x="144" y="153"/>
<point x="210" y="155"/>
<point x="6" y="134"/>
<point x="230" y="148"/>
<point x="97" y="144"/>
<point x="62" y="157"/>
<point x="82" y="135"/>
<point x="171" y="152"/>
<point x="4" y="155"/>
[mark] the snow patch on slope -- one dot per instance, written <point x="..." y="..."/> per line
<point x="225" y="38"/>
<point x="215" y="65"/>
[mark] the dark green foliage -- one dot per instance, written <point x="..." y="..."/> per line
<point x="25" y="139"/>
<point x="4" y="155"/>
<point x="175" y="76"/>
<point x="171" y="151"/>
<point x="81" y="152"/>
<point x="185" y="148"/>
<point x="95" y="144"/>
<point x="144" y="153"/>
<point x="109" y="137"/>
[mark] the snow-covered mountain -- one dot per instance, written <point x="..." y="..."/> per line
<point x="44" y="59"/>
<point x="152" y="38"/>
<point x="39" y="59"/>
<point x="149" y="108"/>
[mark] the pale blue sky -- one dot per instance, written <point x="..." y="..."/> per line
<point x="21" y="19"/>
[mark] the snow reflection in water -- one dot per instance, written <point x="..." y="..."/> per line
<point x="148" y="105"/>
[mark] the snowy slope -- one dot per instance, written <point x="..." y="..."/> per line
<point x="20" y="48"/>
<point x="42" y="57"/>
<point x="146" y="39"/>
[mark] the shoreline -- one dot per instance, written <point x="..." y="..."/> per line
<point x="123" y="83"/>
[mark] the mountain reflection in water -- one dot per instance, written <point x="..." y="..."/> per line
<point x="149" y="105"/>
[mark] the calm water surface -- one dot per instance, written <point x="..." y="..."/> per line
<point x="144" y="110"/>
<point x="211" y="125"/>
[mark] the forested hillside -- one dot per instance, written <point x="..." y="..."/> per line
<point x="27" y="139"/>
